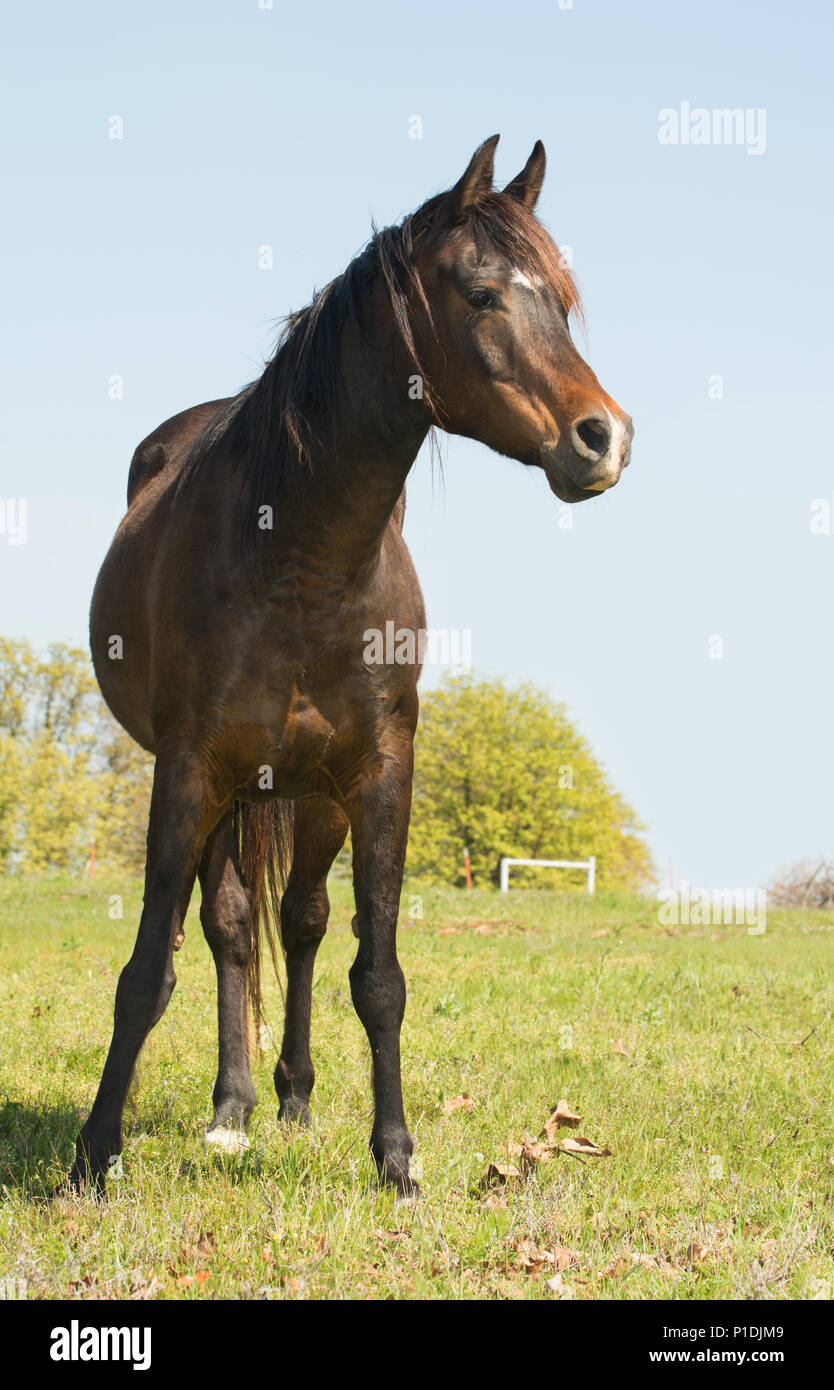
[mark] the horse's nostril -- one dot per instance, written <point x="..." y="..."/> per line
<point x="595" y="434"/>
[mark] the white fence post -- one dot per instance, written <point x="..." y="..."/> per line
<point x="589" y="864"/>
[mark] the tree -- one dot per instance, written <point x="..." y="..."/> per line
<point x="67" y="770"/>
<point x="810" y="883"/>
<point x="503" y="771"/>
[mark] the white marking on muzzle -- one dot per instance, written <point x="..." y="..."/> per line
<point x="612" y="456"/>
<point x="615" y="448"/>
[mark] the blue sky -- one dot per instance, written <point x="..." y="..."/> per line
<point x="290" y="127"/>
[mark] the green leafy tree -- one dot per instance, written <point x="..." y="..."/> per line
<point x="503" y="771"/>
<point x="68" y="772"/>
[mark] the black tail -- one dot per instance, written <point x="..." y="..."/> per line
<point x="264" y="845"/>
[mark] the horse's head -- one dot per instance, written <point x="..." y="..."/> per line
<point x="494" y="338"/>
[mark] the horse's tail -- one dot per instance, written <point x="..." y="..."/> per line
<point x="264" y="845"/>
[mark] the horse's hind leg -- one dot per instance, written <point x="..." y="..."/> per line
<point x="227" y="924"/>
<point x="179" y="818"/>
<point x="318" y="835"/>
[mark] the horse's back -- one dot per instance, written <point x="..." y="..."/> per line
<point x="168" y="443"/>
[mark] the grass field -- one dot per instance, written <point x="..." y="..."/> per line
<point x="679" y="1047"/>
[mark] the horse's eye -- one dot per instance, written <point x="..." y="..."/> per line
<point x="480" y="299"/>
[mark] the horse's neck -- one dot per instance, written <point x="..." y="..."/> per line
<point x="368" y="446"/>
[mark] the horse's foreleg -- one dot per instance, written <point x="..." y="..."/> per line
<point x="179" y="819"/>
<point x="227" y="924"/>
<point x="379" y="826"/>
<point x="318" y="834"/>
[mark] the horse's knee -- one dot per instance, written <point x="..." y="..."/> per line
<point x="226" y="921"/>
<point x="143" y="992"/>
<point x="304" y="919"/>
<point x="378" y="994"/>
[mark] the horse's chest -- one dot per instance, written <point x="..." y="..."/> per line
<point x="298" y="748"/>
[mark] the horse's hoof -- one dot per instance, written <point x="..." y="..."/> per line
<point x="229" y="1140"/>
<point x="393" y="1170"/>
<point x="81" y="1182"/>
<point x="409" y="1197"/>
<point x="294" y="1112"/>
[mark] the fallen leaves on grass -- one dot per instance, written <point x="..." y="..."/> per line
<point x="534" y="1259"/>
<point x="630" y="1260"/>
<point x="502" y="1172"/>
<point x="142" y="1288"/>
<point x="581" y="1145"/>
<point x="561" y="1114"/>
<point x="530" y="1151"/>
<point x="461" y="1102"/>
<point x="558" y="1286"/>
<point x="199" y="1254"/>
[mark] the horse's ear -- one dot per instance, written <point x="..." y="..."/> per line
<point x="474" y="183"/>
<point x="527" y="185"/>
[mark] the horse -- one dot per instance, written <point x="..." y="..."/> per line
<point x="261" y="543"/>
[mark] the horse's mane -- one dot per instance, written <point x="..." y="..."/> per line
<point x="267" y="426"/>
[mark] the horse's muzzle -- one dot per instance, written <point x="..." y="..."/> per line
<point x="589" y="457"/>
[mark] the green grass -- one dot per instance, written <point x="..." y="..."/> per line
<point x="719" y="1182"/>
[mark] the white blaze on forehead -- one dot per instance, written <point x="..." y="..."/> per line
<point x="519" y="278"/>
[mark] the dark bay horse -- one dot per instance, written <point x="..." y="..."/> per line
<point x="263" y="539"/>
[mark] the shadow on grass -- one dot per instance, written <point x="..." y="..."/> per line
<point x="35" y="1142"/>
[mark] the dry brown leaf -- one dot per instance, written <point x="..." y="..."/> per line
<point x="141" y="1288"/>
<point x="561" y="1116"/>
<point x="532" y="1258"/>
<point x="581" y="1145"/>
<point x="696" y="1252"/>
<point x="461" y="1102"/>
<point x="532" y="1150"/>
<point x="619" y="1047"/>
<point x="206" y="1245"/>
<point x="494" y="1201"/>
<point x="502" y="1172"/>
<point x="638" y="1259"/>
